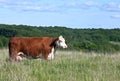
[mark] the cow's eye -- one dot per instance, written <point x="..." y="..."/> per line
<point x="60" y="40"/>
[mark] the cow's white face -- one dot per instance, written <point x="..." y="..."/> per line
<point x="61" y="42"/>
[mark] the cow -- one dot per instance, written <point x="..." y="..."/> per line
<point x="34" y="47"/>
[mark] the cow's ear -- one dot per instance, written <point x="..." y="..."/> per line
<point x="60" y="37"/>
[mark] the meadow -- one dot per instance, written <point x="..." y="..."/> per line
<point x="67" y="66"/>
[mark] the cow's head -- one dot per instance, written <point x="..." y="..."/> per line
<point x="61" y="42"/>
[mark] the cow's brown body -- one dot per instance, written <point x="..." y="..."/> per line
<point x="31" y="46"/>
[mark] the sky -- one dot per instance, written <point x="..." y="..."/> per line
<point x="68" y="13"/>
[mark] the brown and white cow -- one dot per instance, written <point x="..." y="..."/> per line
<point x="34" y="47"/>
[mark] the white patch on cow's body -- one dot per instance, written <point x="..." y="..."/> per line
<point x="51" y="55"/>
<point x="20" y="53"/>
<point x="18" y="58"/>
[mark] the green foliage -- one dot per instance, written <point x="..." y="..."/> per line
<point x="7" y="32"/>
<point x="3" y="41"/>
<point x="98" y="40"/>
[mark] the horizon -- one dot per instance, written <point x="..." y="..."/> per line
<point x="56" y="26"/>
<point x="80" y="14"/>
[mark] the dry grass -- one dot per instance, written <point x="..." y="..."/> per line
<point x="67" y="66"/>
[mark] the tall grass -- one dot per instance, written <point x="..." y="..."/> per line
<point x="67" y="66"/>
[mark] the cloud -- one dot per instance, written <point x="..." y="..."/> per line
<point x="108" y="7"/>
<point x="41" y="6"/>
<point x="27" y="5"/>
<point x="117" y="16"/>
<point x="111" y="7"/>
<point x="91" y="4"/>
<point x="78" y="5"/>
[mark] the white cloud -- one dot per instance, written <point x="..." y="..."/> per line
<point x="91" y="3"/>
<point x="39" y="5"/>
<point x="117" y="16"/>
<point x="25" y="5"/>
<point x="78" y="5"/>
<point x="111" y="6"/>
<point x="44" y="8"/>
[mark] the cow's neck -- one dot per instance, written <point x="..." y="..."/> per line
<point x="53" y="44"/>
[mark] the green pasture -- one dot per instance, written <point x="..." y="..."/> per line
<point x="67" y="66"/>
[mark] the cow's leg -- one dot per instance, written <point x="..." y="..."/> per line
<point x="13" y="56"/>
<point x="45" y="55"/>
<point x="12" y="52"/>
<point x="49" y="54"/>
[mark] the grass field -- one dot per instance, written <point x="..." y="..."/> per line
<point x="67" y="66"/>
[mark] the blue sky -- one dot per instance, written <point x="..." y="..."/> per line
<point x="69" y="13"/>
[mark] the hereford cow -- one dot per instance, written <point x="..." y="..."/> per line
<point x="34" y="47"/>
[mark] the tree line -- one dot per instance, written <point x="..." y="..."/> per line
<point x="98" y="40"/>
